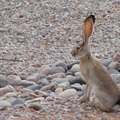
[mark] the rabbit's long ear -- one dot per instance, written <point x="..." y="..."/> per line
<point x="88" y="27"/>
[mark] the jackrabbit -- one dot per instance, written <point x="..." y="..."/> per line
<point x="100" y="87"/>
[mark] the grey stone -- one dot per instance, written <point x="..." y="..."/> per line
<point x="18" y="101"/>
<point x="76" y="86"/>
<point x="36" y="106"/>
<point x="75" y="68"/>
<point x="106" y="62"/>
<point x="26" y="83"/>
<point x="14" y="79"/>
<point x="62" y="64"/>
<point x="113" y="71"/>
<point x="6" y="89"/>
<point x="44" y="70"/>
<point x="34" y="87"/>
<point x="35" y="77"/>
<point x="23" y="75"/>
<point x="114" y="65"/>
<point x="69" y="66"/>
<point x="58" y="69"/>
<point x="63" y="85"/>
<point x="118" y="79"/>
<point x="68" y="93"/>
<point x="60" y="80"/>
<point x="51" y="86"/>
<point x="77" y="80"/>
<point x="3" y="81"/>
<point x="4" y="103"/>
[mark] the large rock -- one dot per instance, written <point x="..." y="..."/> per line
<point x="113" y="71"/>
<point x="114" y="65"/>
<point x="35" y="77"/>
<point x="57" y="75"/>
<point x="3" y="81"/>
<point x="78" y="79"/>
<point x="69" y="66"/>
<point x="62" y="64"/>
<point x="14" y="79"/>
<point x="26" y="83"/>
<point x="76" y="86"/>
<point x="34" y="87"/>
<point x="106" y="62"/>
<point x="75" y="68"/>
<point x="44" y="70"/>
<point x="18" y="101"/>
<point x="68" y="93"/>
<point x="60" y="80"/>
<point x="58" y="69"/>
<point x="6" y="89"/>
<point x="4" y="103"/>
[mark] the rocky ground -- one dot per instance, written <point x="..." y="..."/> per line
<point x="34" y="36"/>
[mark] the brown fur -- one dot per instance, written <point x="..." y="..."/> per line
<point x="100" y="87"/>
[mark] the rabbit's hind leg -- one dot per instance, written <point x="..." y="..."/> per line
<point x="101" y="104"/>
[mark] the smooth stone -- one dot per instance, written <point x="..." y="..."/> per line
<point x="18" y="101"/>
<point x="58" y="69"/>
<point x="43" y="82"/>
<point x="44" y="70"/>
<point x="34" y="87"/>
<point x="24" y="90"/>
<point x="53" y="94"/>
<point x="75" y="68"/>
<point x="77" y="80"/>
<point x="14" y="80"/>
<point x="6" y="89"/>
<point x="62" y="64"/>
<point x="68" y="93"/>
<point x="10" y="94"/>
<point x="11" y="99"/>
<point x="57" y="75"/>
<point x="64" y="86"/>
<point x="69" y="66"/>
<point x="76" y="86"/>
<point x="60" y="80"/>
<point x="51" y="86"/>
<point x="36" y="106"/>
<point x="117" y="58"/>
<point x="40" y="93"/>
<point x="35" y="77"/>
<point x="118" y="79"/>
<point x="23" y="75"/>
<point x="78" y="74"/>
<point x="69" y="77"/>
<point x="26" y="83"/>
<point x="58" y="90"/>
<point x="10" y="73"/>
<point x="3" y="81"/>
<point x="69" y="73"/>
<point x="4" y="103"/>
<point x="113" y="71"/>
<point x="49" y="98"/>
<point x="27" y="96"/>
<point x="106" y="62"/>
<point x="114" y="65"/>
